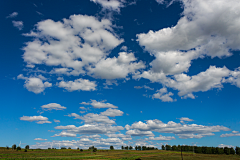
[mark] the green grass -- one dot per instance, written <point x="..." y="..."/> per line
<point x="67" y="154"/>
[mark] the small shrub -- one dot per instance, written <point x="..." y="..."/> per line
<point x="81" y="150"/>
<point x="25" y="150"/>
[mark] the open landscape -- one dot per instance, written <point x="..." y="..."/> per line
<point x="50" y="154"/>
<point x="120" y="79"/>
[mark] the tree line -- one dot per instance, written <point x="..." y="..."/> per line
<point x="203" y="149"/>
<point x="138" y="148"/>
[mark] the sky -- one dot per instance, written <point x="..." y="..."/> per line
<point x="84" y="73"/>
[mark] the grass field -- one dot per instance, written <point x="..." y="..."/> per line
<point x="108" y="154"/>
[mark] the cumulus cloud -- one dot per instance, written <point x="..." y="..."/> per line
<point x="64" y="134"/>
<point x="163" y="95"/>
<point x="161" y="138"/>
<point x="42" y="122"/>
<point x="78" y="84"/>
<point x="92" y="117"/>
<point x="71" y="44"/>
<point x="82" y="143"/>
<point x="110" y="4"/>
<point x="33" y="118"/>
<point x="136" y="132"/>
<point x="53" y="106"/>
<point x="224" y="145"/>
<point x="113" y="68"/>
<point x="194" y="36"/>
<point x="122" y="136"/>
<point x="213" y="77"/>
<point x="112" y="112"/>
<point x="56" y="121"/>
<point x="40" y="139"/>
<point x="185" y="119"/>
<point x="91" y="129"/>
<point x="234" y="133"/>
<point x="182" y="130"/>
<point x="100" y="104"/>
<point x="39" y="119"/>
<point x="12" y="15"/>
<point x="18" y="24"/>
<point x="35" y="84"/>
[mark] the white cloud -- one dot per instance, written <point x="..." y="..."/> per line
<point x="56" y="121"/>
<point x="78" y="84"/>
<point x="161" y="138"/>
<point x="83" y="108"/>
<point x="18" y="24"/>
<point x="138" y="87"/>
<point x="110" y="4"/>
<point x="112" y="112"/>
<point x="224" y="145"/>
<point x="53" y="106"/>
<point x="213" y="77"/>
<point x="147" y="87"/>
<point x="72" y="44"/>
<point x="234" y="133"/>
<point x="122" y="136"/>
<point x="96" y="136"/>
<point x="182" y="130"/>
<point x="114" y="68"/>
<point x="194" y="36"/>
<point x="91" y="129"/>
<point x="163" y="95"/>
<point x="39" y="119"/>
<point x="40" y="139"/>
<point x="33" y="118"/>
<point x="82" y="143"/>
<point x="100" y="104"/>
<point x="91" y="118"/>
<point x="35" y="84"/>
<point x="139" y="133"/>
<point x="124" y="48"/>
<point x="12" y="15"/>
<point x="194" y="29"/>
<point x="42" y="122"/>
<point x="186" y="119"/>
<point x="64" y="134"/>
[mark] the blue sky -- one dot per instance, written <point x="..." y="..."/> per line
<point x="119" y="72"/>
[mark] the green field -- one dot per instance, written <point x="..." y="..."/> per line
<point x="109" y="154"/>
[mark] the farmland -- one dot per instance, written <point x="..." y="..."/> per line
<point x="50" y="154"/>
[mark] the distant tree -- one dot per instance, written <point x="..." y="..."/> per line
<point x="63" y="148"/>
<point x="136" y="147"/>
<point x="14" y="147"/>
<point x="19" y="148"/>
<point x="168" y="147"/>
<point x="77" y="148"/>
<point x="81" y="150"/>
<point x="237" y="150"/>
<point x="122" y="148"/>
<point x="226" y="150"/>
<point x="163" y="147"/>
<point x="69" y="147"/>
<point x="232" y="151"/>
<point x="7" y="147"/>
<point x="130" y="147"/>
<point x="126" y="148"/>
<point x="94" y="149"/>
<point x="111" y="147"/>
<point x="49" y="148"/>
<point x="27" y="147"/>
<point x="174" y="147"/>
<point x="139" y="148"/>
<point x="25" y="150"/>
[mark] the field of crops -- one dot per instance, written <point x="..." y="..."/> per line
<point x="108" y="154"/>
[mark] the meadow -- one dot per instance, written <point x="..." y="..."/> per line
<point x="53" y="154"/>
